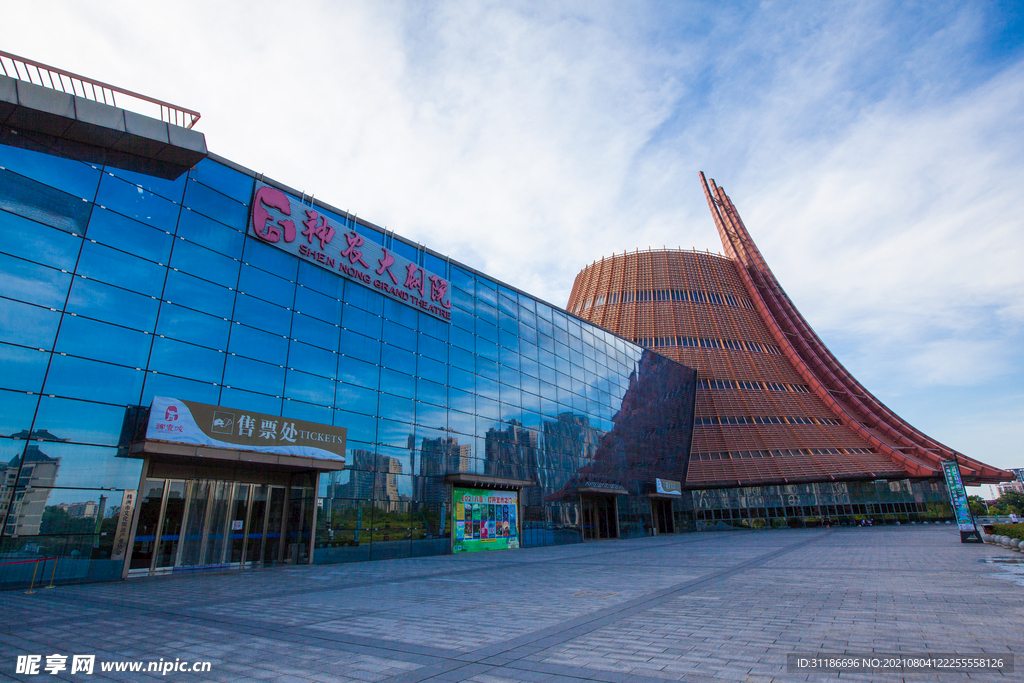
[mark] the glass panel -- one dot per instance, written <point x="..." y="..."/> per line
<point x="186" y="360"/>
<point x="209" y="265"/>
<point x="263" y="285"/>
<point x="78" y="466"/>
<point x="250" y="375"/>
<point x="359" y="347"/>
<point x="257" y="519"/>
<point x="272" y="259"/>
<point x="134" y="237"/>
<point x="170" y="531"/>
<point x="48" y="206"/>
<point x="168" y="385"/>
<point x="79" y="421"/>
<point x="94" y="381"/>
<point x="28" y="325"/>
<point x="134" y="202"/>
<point x="118" y="268"/>
<point x="358" y="320"/>
<point x="217" y="527"/>
<point x="22" y="369"/>
<point x="312" y="359"/>
<point x="169" y="189"/>
<point x="30" y="240"/>
<point x="187" y="325"/>
<point x="33" y="283"/>
<point x="305" y="387"/>
<point x="352" y="371"/>
<point x="211" y="203"/>
<point x="16" y="411"/>
<point x="209" y="233"/>
<point x="313" y="331"/>
<point x="246" y="400"/>
<point x="100" y="341"/>
<point x="201" y="295"/>
<point x="223" y="179"/>
<point x="321" y="280"/>
<point x="275" y="521"/>
<point x="253" y="343"/>
<point x="262" y="315"/>
<point x="69" y="175"/>
<point x="318" y="305"/>
<point x="195" y="523"/>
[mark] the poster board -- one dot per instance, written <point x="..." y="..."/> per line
<point x="484" y="519"/>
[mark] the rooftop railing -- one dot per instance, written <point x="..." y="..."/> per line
<point x="51" y="77"/>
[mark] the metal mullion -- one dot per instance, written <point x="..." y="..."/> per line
<point x="159" y="528"/>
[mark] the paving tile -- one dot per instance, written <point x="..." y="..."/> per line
<point x="705" y="607"/>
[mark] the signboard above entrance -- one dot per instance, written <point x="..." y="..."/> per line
<point x="303" y="231"/>
<point x="200" y="424"/>
<point x="667" y="487"/>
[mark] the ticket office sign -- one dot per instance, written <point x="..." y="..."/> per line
<point x="484" y="520"/>
<point x="305" y="232"/>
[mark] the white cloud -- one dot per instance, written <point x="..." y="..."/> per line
<point x="871" y="147"/>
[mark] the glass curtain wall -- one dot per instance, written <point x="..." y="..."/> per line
<point x="117" y="286"/>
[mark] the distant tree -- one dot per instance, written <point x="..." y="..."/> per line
<point x="1011" y="501"/>
<point x="977" y="505"/>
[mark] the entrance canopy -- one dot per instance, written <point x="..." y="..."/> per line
<point x="187" y="429"/>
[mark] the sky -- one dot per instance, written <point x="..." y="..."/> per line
<point x="874" y="150"/>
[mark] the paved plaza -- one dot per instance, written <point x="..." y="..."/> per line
<point x="710" y="607"/>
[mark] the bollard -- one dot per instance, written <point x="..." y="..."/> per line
<point x="30" y="590"/>
<point x="52" y="574"/>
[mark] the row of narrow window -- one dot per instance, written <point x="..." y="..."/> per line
<point x="772" y="420"/>
<point x="776" y="453"/>
<point x="707" y="343"/>
<point x="747" y="384"/>
<point x="701" y="296"/>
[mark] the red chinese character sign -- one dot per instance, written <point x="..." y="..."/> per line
<point x="333" y="245"/>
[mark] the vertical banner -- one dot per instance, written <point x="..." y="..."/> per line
<point x="958" y="498"/>
<point x="484" y="520"/>
<point x="124" y="525"/>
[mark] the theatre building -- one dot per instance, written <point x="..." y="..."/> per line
<point x="783" y="434"/>
<point x="203" y="368"/>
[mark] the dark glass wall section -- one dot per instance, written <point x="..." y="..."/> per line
<point x="117" y="286"/>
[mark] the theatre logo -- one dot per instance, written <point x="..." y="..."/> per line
<point x="273" y="220"/>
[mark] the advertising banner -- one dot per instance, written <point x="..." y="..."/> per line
<point x="200" y="424"/>
<point x="304" y="231"/>
<point x="124" y="525"/>
<point x="484" y="520"/>
<point x="958" y="497"/>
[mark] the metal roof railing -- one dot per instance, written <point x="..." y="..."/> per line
<point x="51" y="77"/>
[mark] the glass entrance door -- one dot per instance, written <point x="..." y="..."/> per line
<point x="661" y="510"/>
<point x="599" y="517"/>
<point x="203" y="523"/>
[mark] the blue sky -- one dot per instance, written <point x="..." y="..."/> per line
<point x="874" y="150"/>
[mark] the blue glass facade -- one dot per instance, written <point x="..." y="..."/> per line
<point x="117" y="286"/>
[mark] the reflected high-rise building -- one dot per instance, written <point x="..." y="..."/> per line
<point x="439" y="457"/>
<point x="511" y="452"/>
<point x="25" y="486"/>
<point x="569" y="443"/>
<point x="373" y="477"/>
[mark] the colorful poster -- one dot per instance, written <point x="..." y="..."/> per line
<point x="958" y="496"/>
<point x="484" y="519"/>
